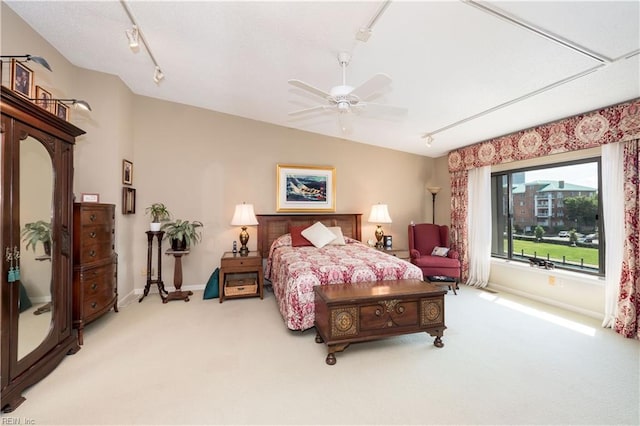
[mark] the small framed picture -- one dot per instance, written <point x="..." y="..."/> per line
<point x="90" y="197"/>
<point x="21" y="79"/>
<point x="128" y="200"/>
<point x="43" y="100"/>
<point x="62" y="111"/>
<point x="127" y="172"/>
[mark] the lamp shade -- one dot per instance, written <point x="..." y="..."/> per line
<point x="244" y="215"/>
<point x="433" y="189"/>
<point x="379" y="214"/>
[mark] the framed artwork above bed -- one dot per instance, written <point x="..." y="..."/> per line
<point x="305" y="188"/>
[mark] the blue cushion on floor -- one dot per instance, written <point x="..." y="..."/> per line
<point x="211" y="291"/>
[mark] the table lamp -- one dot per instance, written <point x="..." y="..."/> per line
<point x="244" y="216"/>
<point x="379" y="214"/>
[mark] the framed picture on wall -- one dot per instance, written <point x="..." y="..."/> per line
<point x="127" y="172"/>
<point x="62" y="111"/>
<point x="43" y="100"/>
<point x="128" y="200"/>
<point x="21" y="79"/>
<point x="306" y="188"/>
<point x="90" y="197"/>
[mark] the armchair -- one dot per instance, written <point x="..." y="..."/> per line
<point x="423" y="237"/>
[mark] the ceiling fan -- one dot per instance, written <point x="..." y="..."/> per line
<point x="346" y="99"/>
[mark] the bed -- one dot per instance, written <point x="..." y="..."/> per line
<point x="294" y="271"/>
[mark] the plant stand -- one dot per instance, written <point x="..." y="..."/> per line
<point x="158" y="281"/>
<point x="177" y="278"/>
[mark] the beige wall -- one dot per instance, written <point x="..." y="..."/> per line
<point x="201" y="163"/>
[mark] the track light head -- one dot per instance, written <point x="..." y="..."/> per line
<point x="428" y="139"/>
<point x="37" y="59"/>
<point x="133" y="35"/>
<point x="158" y="75"/>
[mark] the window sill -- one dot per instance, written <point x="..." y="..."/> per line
<point x="559" y="273"/>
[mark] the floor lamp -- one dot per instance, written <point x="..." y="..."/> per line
<point x="433" y="190"/>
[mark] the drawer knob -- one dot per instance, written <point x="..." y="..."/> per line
<point x="94" y="286"/>
<point x="92" y="253"/>
<point x="93" y="305"/>
<point x="92" y="234"/>
<point x="92" y="218"/>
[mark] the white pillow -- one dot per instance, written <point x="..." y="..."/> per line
<point x="337" y="231"/>
<point x="318" y="234"/>
<point x="440" y="251"/>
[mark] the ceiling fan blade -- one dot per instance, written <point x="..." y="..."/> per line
<point x="372" y="85"/>
<point x="309" y="88"/>
<point x="306" y="110"/>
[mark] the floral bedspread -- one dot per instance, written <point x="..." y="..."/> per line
<point x="294" y="271"/>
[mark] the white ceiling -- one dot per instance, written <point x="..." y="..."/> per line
<point x="462" y="73"/>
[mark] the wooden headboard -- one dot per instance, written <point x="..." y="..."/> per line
<point x="271" y="226"/>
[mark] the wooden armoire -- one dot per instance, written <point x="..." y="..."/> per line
<point x="36" y="285"/>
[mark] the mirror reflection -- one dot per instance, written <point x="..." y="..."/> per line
<point x="36" y="198"/>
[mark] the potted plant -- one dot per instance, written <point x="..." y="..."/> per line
<point x="159" y="213"/>
<point x="182" y="233"/>
<point x="38" y="231"/>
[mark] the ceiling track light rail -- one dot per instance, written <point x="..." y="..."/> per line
<point x="135" y="36"/>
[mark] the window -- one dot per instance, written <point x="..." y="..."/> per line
<point x="557" y="218"/>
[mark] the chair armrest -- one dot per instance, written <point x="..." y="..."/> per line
<point x="453" y="254"/>
<point x="415" y="254"/>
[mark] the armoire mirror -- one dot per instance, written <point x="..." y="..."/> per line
<point x="36" y="198"/>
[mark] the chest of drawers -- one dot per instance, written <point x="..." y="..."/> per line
<point x="95" y="289"/>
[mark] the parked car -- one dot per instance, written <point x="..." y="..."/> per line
<point x="563" y="234"/>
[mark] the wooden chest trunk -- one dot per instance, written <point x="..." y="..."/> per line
<point x="348" y="313"/>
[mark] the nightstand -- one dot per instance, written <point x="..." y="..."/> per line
<point x="235" y="269"/>
<point x="399" y="253"/>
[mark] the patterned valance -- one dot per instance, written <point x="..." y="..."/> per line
<point x="618" y="123"/>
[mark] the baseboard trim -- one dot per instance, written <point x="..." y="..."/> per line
<point x="568" y="307"/>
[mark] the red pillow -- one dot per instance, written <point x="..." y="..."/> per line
<point x="297" y="240"/>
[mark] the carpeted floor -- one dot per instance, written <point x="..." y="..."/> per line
<point x="506" y="360"/>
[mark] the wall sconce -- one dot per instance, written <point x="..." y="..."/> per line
<point x="78" y="103"/>
<point x="433" y="190"/>
<point x="379" y="214"/>
<point x="244" y="216"/>
<point x="37" y="59"/>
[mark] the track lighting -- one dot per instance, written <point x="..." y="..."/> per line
<point x="428" y="139"/>
<point x="158" y="75"/>
<point x="37" y="59"/>
<point x="136" y="37"/>
<point x="133" y="37"/>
